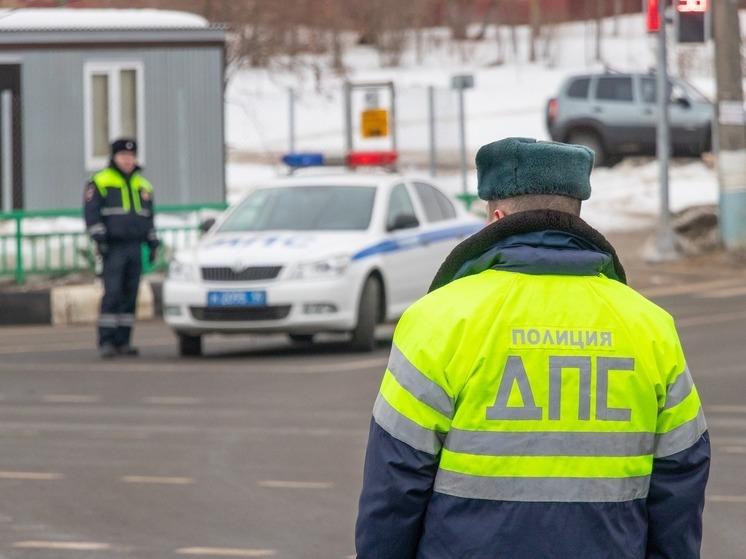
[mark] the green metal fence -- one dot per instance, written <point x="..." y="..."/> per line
<point x="54" y="242"/>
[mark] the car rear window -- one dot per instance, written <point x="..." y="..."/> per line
<point x="579" y="88"/>
<point x="437" y="206"/>
<point x="616" y="88"/>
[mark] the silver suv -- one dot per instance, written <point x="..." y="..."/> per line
<point x="616" y="114"/>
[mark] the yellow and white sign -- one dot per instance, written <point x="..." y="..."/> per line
<point x="374" y="123"/>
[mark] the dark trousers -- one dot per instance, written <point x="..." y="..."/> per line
<point x="121" y="277"/>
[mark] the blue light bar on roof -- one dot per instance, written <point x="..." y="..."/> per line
<point x="303" y="159"/>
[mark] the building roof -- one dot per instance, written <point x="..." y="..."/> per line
<point x="66" y="27"/>
<point x="78" y="18"/>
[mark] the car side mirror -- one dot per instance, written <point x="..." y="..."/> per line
<point x="404" y="221"/>
<point x="205" y="225"/>
<point x="679" y="99"/>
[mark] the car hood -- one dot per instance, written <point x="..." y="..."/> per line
<point x="274" y="248"/>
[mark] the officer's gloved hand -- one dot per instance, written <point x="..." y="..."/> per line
<point x="153" y="254"/>
<point x="102" y="247"/>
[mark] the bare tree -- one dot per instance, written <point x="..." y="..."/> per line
<point x="535" y="24"/>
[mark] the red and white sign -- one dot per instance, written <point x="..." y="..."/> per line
<point x="652" y="20"/>
<point x="691" y="5"/>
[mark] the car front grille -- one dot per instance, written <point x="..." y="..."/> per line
<point x="252" y="273"/>
<point x="239" y="314"/>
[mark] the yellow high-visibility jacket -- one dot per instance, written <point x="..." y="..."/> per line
<point x="119" y="208"/>
<point x="534" y="406"/>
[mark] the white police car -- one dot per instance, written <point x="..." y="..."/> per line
<point x="312" y="254"/>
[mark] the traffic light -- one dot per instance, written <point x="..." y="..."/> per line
<point x="652" y="19"/>
<point x="692" y="21"/>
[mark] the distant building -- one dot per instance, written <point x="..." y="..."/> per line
<point x="71" y="80"/>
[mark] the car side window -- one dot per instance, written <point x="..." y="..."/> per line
<point x="649" y="90"/>
<point x="399" y="204"/>
<point x="614" y="88"/>
<point x="437" y="206"/>
<point x="579" y="88"/>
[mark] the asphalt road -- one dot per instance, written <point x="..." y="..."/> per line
<point x="256" y="449"/>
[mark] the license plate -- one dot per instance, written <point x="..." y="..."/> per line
<point x="236" y="299"/>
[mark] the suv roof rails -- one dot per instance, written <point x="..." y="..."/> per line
<point x="610" y="70"/>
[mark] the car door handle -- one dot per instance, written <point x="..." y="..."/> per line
<point x="598" y="110"/>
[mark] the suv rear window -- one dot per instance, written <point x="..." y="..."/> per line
<point x="579" y="88"/>
<point x="615" y="88"/>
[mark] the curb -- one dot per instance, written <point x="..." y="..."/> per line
<point x="70" y="304"/>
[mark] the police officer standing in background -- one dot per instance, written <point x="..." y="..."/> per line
<point x="533" y="405"/>
<point x="118" y="210"/>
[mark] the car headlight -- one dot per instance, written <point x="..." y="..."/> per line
<point x="326" y="268"/>
<point x="181" y="271"/>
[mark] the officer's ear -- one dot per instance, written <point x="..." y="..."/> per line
<point x="493" y="212"/>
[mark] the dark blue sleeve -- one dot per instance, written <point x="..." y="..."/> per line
<point x="92" y="204"/>
<point x="675" y="502"/>
<point x="397" y="484"/>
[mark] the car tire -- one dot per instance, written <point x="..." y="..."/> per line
<point x="591" y="140"/>
<point x="190" y="346"/>
<point x="363" y="336"/>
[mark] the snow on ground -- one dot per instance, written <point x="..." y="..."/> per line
<point x="508" y="99"/>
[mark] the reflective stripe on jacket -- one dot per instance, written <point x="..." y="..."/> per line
<point x="530" y="408"/>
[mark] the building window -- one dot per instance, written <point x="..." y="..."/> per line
<point x="113" y="108"/>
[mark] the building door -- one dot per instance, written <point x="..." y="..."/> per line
<point x="11" y="160"/>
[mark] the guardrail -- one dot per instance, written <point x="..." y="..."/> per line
<point x="55" y="243"/>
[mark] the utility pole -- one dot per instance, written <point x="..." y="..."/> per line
<point x="665" y="244"/>
<point x="731" y="135"/>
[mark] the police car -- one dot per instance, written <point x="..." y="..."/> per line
<point x="302" y="255"/>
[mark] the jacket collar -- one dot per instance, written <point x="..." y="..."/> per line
<point x="533" y="242"/>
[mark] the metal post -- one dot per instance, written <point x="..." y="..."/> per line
<point x="665" y="244"/>
<point x="431" y="129"/>
<point x="6" y="137"/>
<point x="348" y="114"/>
<point x="291" y="118"/>
<point x="462" y="137"/>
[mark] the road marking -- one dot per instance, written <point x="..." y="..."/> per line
<point x="663" y="290"/>
<point x="157" y="479"/>
<point x="296" y="484"/>
<point x="711" y="319"/>
<point x="722" y="293"/>
<point x="43" y="476"/>
<point x="733" y="449"/>
<point x="727" y="498"/>
<point x="73" y="546"/>
<point x="226" y="552"/>
<point x="70" y="399"/>
<point x="726" y="409"/>
<point x="172" y="400"/>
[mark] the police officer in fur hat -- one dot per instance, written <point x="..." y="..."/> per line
<point x="534" y="405"/>
<point x="118" y="209"/>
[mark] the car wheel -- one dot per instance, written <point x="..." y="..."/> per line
<point x="301" y="338"/>
<point x="590" y="140"/>
<point x="190" y="346"/>
<point x="363" y="336"/>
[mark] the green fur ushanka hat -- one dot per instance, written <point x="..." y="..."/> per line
<point x="518" y="166"/>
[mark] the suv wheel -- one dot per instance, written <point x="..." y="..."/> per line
<point x="591" y="140"/>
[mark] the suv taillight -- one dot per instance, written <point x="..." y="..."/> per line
<point x="552" y="110"/>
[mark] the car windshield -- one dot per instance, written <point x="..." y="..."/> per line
<point x="307" y="208"/>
